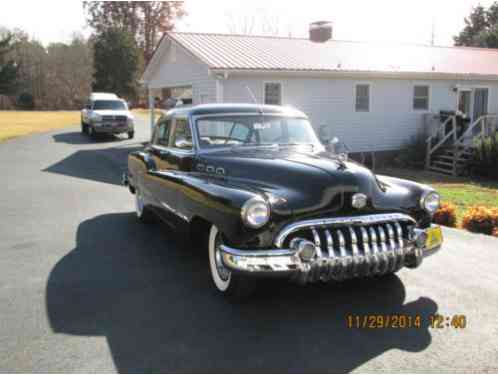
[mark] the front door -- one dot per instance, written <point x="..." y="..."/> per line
<point x="480" y="103"/>
<point x="464" y="103"/>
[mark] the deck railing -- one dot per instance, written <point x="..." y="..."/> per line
<point x="440" y="136"/>
<point x="484" y="126"/>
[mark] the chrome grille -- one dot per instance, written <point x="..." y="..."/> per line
<point x="114" y="118"/>
<point x="355" y="247"/>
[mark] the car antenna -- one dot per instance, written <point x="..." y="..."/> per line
<point x="253" y="97"/>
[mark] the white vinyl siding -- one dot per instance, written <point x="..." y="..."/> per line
<point x="330" y="102"/>
<point x="273" y="93"/>
<point x="362" y="97"/>
<point x="178" y="68"/>
<point x="421" y="97"/>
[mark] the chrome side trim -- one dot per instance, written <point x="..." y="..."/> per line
<point x="342" y="221"/>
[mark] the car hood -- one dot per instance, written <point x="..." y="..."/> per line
<point x="304" y="183"/>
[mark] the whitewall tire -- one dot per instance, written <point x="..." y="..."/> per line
<point x="221" y="276"/>
<point x="143" y="213"/>
<point x="231" y="285"/>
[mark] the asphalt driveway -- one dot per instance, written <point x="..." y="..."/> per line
<point x="84" y="287"/>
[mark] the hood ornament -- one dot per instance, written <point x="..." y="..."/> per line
<point x="359" y="200"/>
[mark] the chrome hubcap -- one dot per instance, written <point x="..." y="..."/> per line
<point x="139" y="203"/>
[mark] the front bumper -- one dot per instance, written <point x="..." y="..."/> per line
<point x="287" y="262"/>
<point x="112" y="129"/>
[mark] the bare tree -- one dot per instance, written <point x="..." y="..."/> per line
<point x="145" y="20"/>
<point x="259" y="22"/>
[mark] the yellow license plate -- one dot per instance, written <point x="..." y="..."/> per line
<point x="434" y="238"/>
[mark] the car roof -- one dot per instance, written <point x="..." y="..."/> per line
<point x="239" y="108"/>
<point x="103" y="96"/>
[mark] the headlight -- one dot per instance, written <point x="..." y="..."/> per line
<point x="255" y="212"/>
<point x="430" y="202"/>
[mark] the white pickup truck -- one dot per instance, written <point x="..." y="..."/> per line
<point x="106" y="114"/>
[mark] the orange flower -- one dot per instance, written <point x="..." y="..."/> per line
<point x="445" y="215"/>
<point x="481" y="219"/>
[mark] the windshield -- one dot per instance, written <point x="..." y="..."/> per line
<point x="109" y="104"/>
<point x="254" y="130"/>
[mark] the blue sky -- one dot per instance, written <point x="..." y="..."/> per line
<point x="378" y="20"/>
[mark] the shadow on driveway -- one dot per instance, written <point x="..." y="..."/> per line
<point x="102" y="165"/>
<point x="78" y="138"/>
<point x="155" y="304"/>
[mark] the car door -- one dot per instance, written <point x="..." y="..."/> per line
<point x="158" y="180"/>
<point x="179" y="160"/>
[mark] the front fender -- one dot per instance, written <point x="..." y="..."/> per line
<point x="405" y="195"/>
<point x="219" y="202"/>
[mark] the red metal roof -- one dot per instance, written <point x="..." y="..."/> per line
<point x="242" y="52"/>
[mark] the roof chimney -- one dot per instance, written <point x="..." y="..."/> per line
<point x="320" y="31"/>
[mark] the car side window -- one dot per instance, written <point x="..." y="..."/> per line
<point x="182" y="136"/>
<point x="162" y="133"/>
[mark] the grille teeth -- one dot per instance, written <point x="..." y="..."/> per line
<point x="359" y="250"/>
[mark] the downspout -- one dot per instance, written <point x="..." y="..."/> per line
<point x="151" y="111"/>
<point x="220" y="78"/>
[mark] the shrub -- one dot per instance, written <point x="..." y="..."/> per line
<point x="25" y="101"/>
<point x="495" y="232"/>
<point x="412" y="153"/>
<point x="480" y="219"/>
<point x="446" y="215"/>
<point x="485" y="157"/>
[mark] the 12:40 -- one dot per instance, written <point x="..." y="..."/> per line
<point x="439" y="321"/>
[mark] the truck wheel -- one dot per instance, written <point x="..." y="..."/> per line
<point x="143" y="213"/>
<point x="231" y="285"/>
<point x="91" y="132"/>
<point x="131" y="134"/>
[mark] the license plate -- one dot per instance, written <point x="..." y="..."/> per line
<point x="434" y="238"/>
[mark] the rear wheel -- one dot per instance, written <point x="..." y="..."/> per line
<point x="231" y="285"/>
<point x="143" y="212"/>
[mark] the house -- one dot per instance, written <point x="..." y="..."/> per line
<point x="373" y="96"/>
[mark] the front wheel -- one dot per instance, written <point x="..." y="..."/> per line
<point x="232" y="285"/>
<point x="91" y="132"/>
<point x="131" y="134"/>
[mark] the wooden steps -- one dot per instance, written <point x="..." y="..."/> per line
<point x="450" y="160"/>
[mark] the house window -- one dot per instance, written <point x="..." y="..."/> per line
<point x="362" y="103"/>
<point x="273" y="93"/>
<point x="421" y="98"/>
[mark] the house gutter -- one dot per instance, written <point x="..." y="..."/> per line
<point x="354" y="74"/>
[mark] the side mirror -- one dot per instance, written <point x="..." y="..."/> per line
<point x="339" y="148"/>
<point x="182" y="142"/>
<point x="332" y="145"/>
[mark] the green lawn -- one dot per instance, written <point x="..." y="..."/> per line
<point x="462" y="192"/>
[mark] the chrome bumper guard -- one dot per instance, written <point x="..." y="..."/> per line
<point x="360" y="262"/>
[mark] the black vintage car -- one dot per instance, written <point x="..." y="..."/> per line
<point x="265" y="198"/>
